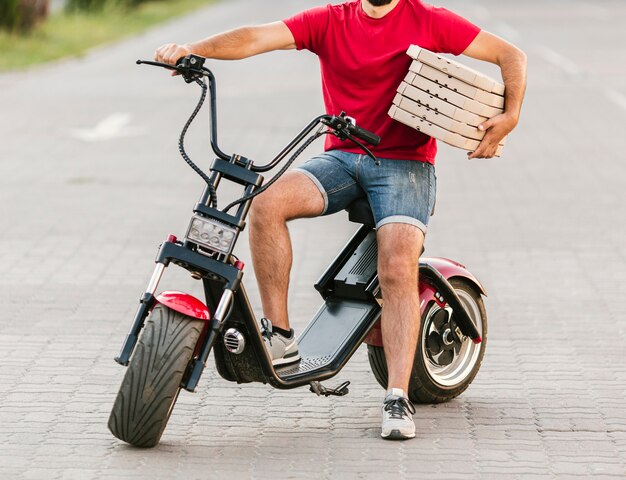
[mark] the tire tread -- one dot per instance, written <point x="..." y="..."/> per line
<point x="152" y="382"/>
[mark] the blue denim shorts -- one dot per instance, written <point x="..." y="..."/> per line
<point x="398" y="191"/>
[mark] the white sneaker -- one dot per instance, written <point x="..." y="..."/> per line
<point x="282" y="350"/>
<point x="397" y="416"/>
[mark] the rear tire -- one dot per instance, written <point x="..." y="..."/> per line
<point x="430" y="382"/>
<point x="152" y="382"/>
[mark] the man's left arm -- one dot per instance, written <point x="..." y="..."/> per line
<point x="512" y="61"/>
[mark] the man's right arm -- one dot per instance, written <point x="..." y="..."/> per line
<point x="235" y="44"/>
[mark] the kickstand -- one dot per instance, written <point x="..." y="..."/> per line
<point x="318" y="389"/>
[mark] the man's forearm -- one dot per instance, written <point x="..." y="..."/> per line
<point x="513" y="66"/>
<point x="512" y="63"/>
<point x="235" y="44"/>
<point x="232" y="45"/>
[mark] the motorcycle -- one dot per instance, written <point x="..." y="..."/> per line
<point x="173" y="333"/>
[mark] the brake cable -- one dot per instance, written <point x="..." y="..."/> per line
<point x="181" y="143"/>
<point x="298" y="152"/>
<point x="284" y="168"/>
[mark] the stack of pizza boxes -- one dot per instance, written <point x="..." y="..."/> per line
<point x="446" y="100"/>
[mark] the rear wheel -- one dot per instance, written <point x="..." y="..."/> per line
<point x="152" y="381"/>
<point x="444" y="365"/>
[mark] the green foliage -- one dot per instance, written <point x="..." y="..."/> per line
<point x="99" y="5"/>
<point x="85" y="5"/>
<point x="68" y="34"/>
<point x="22" y="15"/>
<point x="9" y="14"/>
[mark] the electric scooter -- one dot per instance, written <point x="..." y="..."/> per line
<point x="173" y="333"/>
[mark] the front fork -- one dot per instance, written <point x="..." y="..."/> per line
<point x="224" y="307"/>
<point x="146" y="303"/>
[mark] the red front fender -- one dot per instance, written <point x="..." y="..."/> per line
<point x="449" y="269"/>
<point x="185" y="304"/>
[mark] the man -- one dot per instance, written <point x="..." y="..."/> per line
<point x="361" y="46"/>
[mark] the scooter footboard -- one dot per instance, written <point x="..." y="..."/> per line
<point x="331" y="338"/>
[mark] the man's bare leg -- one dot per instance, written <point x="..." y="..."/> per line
<point x="399" y="248"/>
<point x="293" y="196"/>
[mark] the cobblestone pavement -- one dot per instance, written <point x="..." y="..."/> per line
<point x="543" y="227"/>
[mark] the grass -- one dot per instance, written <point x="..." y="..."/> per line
<point x="70" y="35"/>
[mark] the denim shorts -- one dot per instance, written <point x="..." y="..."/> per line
<point x="398" y="191"/>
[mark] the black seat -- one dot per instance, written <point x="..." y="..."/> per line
<point x="359" y="211"/>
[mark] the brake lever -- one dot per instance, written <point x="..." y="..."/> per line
<point x="190" y="67"/>
<point x="156" y="64"/>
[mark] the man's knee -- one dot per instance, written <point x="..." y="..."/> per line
<point x="397" y="273"/>
<point x="266" y="207"/>
<point x="293" y="196"/>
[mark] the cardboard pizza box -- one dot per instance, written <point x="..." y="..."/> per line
<point x="437" y="118"/>
<point x="457" y="85"/>
<point x="439" y="105"/>
<point x="447" y="123"/>
<point x="456" y="70"/>
<point x="434" y="131"/>
<point x="450" y="96"/>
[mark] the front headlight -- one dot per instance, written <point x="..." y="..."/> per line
<point x="211" y="234"/>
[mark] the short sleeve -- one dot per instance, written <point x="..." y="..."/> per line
<point x="450" y="32"/>
<point x="309" y="28"/>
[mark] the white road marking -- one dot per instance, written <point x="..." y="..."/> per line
<point x="617" y="98"/>
<point x="558" y="60"/>
<point x="113" y="126"/>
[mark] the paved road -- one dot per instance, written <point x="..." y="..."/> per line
<point x="82" y="211"/>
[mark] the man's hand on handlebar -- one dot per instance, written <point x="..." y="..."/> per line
<point x="170" y="53"/>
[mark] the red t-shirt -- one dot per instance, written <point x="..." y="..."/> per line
<point x="363" y="60"/>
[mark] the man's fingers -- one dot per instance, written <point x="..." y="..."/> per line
<point x="486" y="149"/>
<point x="161" y="53"/>
<point x="486" y="125"/>
<point x="170" y="54"/>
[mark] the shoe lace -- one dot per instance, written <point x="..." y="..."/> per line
<point x="266" y="329"/>
<point x="398" y="407"/>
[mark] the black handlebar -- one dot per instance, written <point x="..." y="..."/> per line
<point x="345" y="127"/>
<point x="192" y="69"/>
<point x="365" y="135"/>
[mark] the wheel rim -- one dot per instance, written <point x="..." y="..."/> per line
<point x="449" y="360"/>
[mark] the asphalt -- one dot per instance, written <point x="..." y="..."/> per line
<point x="91" y="182"/>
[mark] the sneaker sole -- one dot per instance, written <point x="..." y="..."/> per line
<point x="397" y="435"/>
<point x="286" y="361"/>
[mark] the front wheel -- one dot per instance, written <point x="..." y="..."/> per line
<point x="152" y="382"/>
<point x="444" y="365"/>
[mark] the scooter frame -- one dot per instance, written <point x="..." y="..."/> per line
<point x="349" y="287"/>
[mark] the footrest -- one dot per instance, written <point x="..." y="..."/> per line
<point x="333" y="335"/>
<point x="319" y="389"/>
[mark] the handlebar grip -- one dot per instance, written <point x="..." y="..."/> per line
<point x="364" y="135"/>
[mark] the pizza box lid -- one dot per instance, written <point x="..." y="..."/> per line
<point x="432" y="130"/>
<point x="456" y="70"/>
<point x="457" y="85"/>
<point x="437" y="118"/>
<point x="439" y="105"/>
<point x="451" y="96"/>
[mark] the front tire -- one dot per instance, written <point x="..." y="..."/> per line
<point x="152" y="381"/>
<point x="444" y="366"/>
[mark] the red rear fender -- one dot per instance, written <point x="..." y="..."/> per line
<point x="449" y="269"/>
<point x="185" y="304"/>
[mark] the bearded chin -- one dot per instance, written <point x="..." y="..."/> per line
<point x="379" y="3"/>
